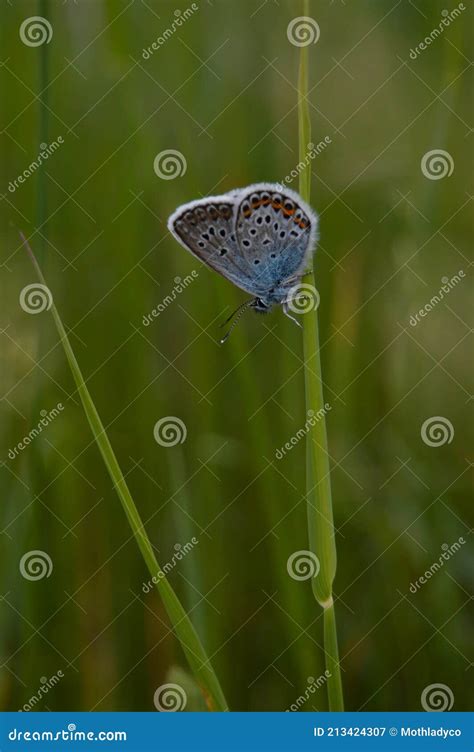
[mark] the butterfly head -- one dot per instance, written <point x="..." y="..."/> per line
<point x="260" y="305"/>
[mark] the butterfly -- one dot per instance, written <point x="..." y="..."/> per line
<point x="260" y="237"/>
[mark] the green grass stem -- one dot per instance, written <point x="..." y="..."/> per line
<point x="318" y="479"/>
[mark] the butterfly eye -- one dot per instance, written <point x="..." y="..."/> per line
<point x="253" y="231"/>
<point x="257" y="261"/>
<point x="211" y="231"/>
<point x="288" y="205"/>
<point x="294" y="233"/>
<point x="205" y="236"/>
<point x="201" y="244"/>
<point x="259" y="221"/>
<point x="246" y="243"/>
<point x="222" y="233"/>
<point x="222" y="251"/>
<point x="282" y="234"/>
<point x="273" y="255"/>
<point x="268" y="219"/>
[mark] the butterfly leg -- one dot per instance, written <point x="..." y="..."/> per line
<point x="289" y="316"/>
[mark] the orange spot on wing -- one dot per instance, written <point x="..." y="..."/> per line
<point x="303" y="223"/>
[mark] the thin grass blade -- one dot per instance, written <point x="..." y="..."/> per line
<point x="198" y="661"/>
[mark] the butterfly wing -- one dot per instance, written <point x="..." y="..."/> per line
<point x="206" y="228"/>
<point x="276" y="231"/>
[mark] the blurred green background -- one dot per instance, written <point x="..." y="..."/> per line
<point x="221" y="91"/>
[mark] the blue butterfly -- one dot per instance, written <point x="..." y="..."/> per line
<point x="261" y="238"/>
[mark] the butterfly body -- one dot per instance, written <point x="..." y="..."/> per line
<point x="261" y="238"/>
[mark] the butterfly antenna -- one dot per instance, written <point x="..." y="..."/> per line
<point x="242" y="305"/>
<point x="236" y="316"/>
